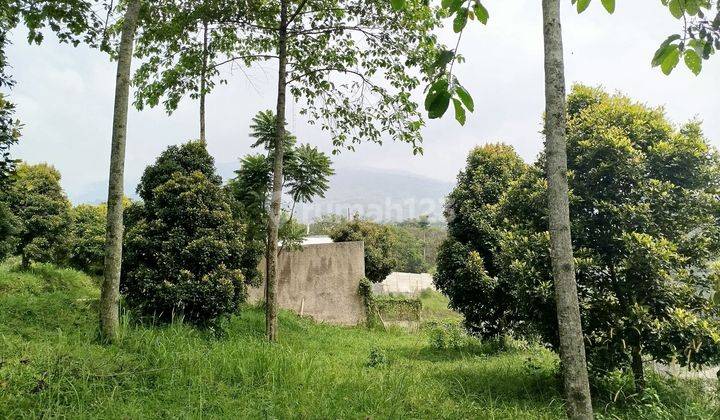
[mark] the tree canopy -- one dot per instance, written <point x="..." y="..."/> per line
<point x="644" y="200"/>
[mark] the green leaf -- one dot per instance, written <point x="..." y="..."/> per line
<point x="437" y="99"/>
<point x="676" y="8"/>
<point x="439" y="105"/>
<point x="465" y="97"/>
<point x="459" y="111"/>
<point x="693" y="61"/>
<point x="609" y="5"/>
<point x="481" y="13"/>
<point x="455" y="5"/>
<point x="692" y="7"/>
<point x="671" y="60"/>
<point x="582" y="5"/>
<point x="397" y="4"/>
<point x="663" y="50"/>
<point x="460" y="20"/>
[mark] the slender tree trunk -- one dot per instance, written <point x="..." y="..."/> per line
<point x="637" y="369"/>
<point x="203" y="77"/>
<point x="110" y="294"/>
<point x="572" y="348"/>
<point x="25" y="262"/>
<point x="274" y="219"/>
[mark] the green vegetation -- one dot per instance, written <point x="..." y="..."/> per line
<point x="644" y="199"/>
<point x="41" y="214"/>
<point x="410" y="246"/>
<point x="183" y="248"/>
<point x="51" y="365"/>
<point x="87" y="230"/>
<point x="380" y="244"/>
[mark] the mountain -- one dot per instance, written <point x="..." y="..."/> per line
<point x="382" y="195"/>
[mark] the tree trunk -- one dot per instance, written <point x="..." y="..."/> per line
<point x="203" y="77"/>
<point x="110" y="293"/>
<point x="638" y="369"/>
<point x="25" y="262"/>
<point x="274" y="217"/>
<point x="572" y="348"/>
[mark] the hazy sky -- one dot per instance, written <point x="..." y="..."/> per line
<point x="65" y="95"/>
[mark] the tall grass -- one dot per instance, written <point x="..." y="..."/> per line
<point x="52" y="366"/>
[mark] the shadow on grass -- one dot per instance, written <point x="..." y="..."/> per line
<point x="468" y="351"/>
<point x="494" y="376"/>
<point x="501" y="385"/>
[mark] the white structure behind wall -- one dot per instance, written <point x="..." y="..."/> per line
<point x="404" y="283"/>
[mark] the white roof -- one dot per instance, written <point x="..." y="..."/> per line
<point x="317" y="239"/>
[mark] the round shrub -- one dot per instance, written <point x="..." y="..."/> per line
<point x="183" y="248"/>
<point x="380" y="244"/>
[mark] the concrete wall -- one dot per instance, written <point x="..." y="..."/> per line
<point x="404" y="283"/>
<point x="321" y="280"/>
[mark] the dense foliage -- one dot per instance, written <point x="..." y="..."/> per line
<point x="87" y="238"/>
<point x="183" y="248"/>
<point x="380" y="243"/>
<point x="425" y="235"/>
<point x="9" y="135"/>
<point x="40" y="214"/>
<point x="412" y="244"/>
<point x="467" y="269"/>
<point x="645" y="208"/>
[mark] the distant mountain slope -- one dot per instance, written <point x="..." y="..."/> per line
<point x="378" y="194"/>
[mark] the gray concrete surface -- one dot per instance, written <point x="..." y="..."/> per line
<point x="409" y="284"/>
<point x="321" y="281"/>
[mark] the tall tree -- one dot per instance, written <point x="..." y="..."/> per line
<point x="307" y="176"/>
<point x="110" y="292"/>
<point x="645" y="207"/>
<point x="572" y="346"/>
<point x="343" y="61"/>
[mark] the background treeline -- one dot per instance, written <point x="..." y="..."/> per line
<point x="410" y="246"/>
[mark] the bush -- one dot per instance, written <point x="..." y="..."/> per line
<point x="87" y="244"/>
<point x="40" y="215"/>
<point x="183" y="248"/>
<point x="644" y="208"/>
<point x="380" y="244"/>
<point x="448" y="336"/>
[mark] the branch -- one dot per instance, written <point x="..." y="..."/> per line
<point x="243" y="57"/>
<point x="297" y="11"/>
<point x="330" y="29"/>
<point x="330" y="69"/>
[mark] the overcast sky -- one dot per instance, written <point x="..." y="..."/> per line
<point x="65" y="96"/>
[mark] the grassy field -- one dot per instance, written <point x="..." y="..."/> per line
<point x="52" y="366"/>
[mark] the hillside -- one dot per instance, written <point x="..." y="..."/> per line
<point x="378" y="194"/>
<point x="52" y="366"/>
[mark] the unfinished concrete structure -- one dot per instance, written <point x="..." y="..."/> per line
<point x="321" y="280"/>
<point x="409" y="284"/>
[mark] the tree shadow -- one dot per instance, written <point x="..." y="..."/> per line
<point x="503" y="386"/>
<point x="513" y="378"/>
